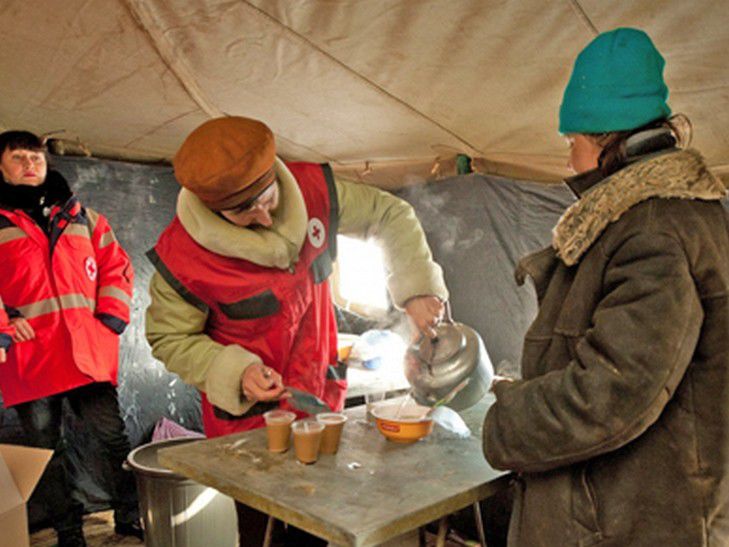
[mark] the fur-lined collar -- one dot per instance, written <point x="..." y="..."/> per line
<point x="680" y="174"/>
<point x="53" y="191"/>
<point x="274" y="247"/>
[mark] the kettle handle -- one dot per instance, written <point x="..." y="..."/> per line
<point x="434" y="341"/>
<point x="448" y="318"/>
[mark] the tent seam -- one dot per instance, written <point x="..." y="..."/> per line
<point x="472" y="150"/>
<point x="583" y="17"/>
<point x="146" y="21"/>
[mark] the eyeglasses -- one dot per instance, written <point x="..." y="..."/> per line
<point x="266" y="196"/>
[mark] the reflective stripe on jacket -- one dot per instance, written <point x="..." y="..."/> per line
<point x="74" y="287"/>
<point x="285" y="317"/>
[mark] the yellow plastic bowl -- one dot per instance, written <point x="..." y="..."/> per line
<point x="407" y="426"/>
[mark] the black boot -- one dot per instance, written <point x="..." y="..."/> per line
<point x="129" y="529"/>
<point x="71" y="538"/>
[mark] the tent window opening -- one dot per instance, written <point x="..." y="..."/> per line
<point x="359" y="278"/>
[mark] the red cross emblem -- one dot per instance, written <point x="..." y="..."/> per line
<point x="316" y="232"/>
<point x="90" y="267"/>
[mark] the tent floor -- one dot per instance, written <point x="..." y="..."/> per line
<point x="99" y="532"/>
<point x="98" y="529"/>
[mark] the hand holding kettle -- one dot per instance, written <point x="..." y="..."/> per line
<point x="425" y="312"/>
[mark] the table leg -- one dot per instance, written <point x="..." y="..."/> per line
<point x="479" y="524"/>
<point x="442" y="532"/>
<point x="269" y="532"/>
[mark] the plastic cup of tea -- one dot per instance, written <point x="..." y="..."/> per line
<point x="333" y="423"/>
<point x="278" y="429"/>
<point x="307" y="439"/>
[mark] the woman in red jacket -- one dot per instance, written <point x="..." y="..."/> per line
<point x="66" y="286"/>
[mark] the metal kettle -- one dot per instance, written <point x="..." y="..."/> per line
<point x="434" y="367"/>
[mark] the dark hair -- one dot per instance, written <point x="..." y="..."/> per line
<point x="13" y="140"/>
<point x="614" y="154"/>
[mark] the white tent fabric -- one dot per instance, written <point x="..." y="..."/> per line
<point x="387" y="90"/>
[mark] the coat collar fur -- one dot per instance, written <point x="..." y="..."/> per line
<point x="680" y="174"/>
<point x="274" y="247"/>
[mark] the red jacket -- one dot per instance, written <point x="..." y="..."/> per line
<point x="74" y="287"/>
<point x="284" y="317"/>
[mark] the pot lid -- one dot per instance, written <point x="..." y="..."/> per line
<point x="447" y="344"/>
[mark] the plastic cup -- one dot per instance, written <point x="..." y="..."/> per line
<point x="333" y="423"/>
<point x="278" y="428"/>
<point x="307" y="439"/>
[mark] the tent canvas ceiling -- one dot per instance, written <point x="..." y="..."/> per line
<point x="365" y="84"/>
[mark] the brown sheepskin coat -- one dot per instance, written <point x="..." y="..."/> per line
<point x="619" y="430"/>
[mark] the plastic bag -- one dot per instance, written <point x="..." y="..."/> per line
<point x="167" y="429"/>
<point x="449" y="424"/>
<point x="374" y="347"/>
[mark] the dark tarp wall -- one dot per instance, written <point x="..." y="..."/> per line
<point x="139" y="201"/>
<point x="478" y="228"/>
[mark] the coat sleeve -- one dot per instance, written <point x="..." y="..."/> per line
<point x="6" y="329"/>
<point x="115" y="277"/>
<point x="368" y="212"/>
<point x="625" y="368"/>
<point x="176" y="331"/>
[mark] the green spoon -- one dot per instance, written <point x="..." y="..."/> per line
<point x="307" y="402"/>
<point x="448" y="397"/>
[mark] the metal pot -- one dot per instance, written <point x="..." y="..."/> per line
<point x="178" y="511"/>
<point x="435" y="366"/>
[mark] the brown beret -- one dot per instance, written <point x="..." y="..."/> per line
<point x="226" y="161"/>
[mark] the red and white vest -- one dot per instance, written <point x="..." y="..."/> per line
<point x="285" y="317"/>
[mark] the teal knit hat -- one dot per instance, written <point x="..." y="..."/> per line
<point x="616" y="85"/>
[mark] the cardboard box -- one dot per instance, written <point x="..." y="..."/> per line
<point x="21" y="468"/>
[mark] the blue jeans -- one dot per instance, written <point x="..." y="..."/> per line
<point x="97" y="406"/>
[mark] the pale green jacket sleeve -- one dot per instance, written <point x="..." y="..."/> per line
<point x="175" y="330"/>
<point x="368" y="212"/>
